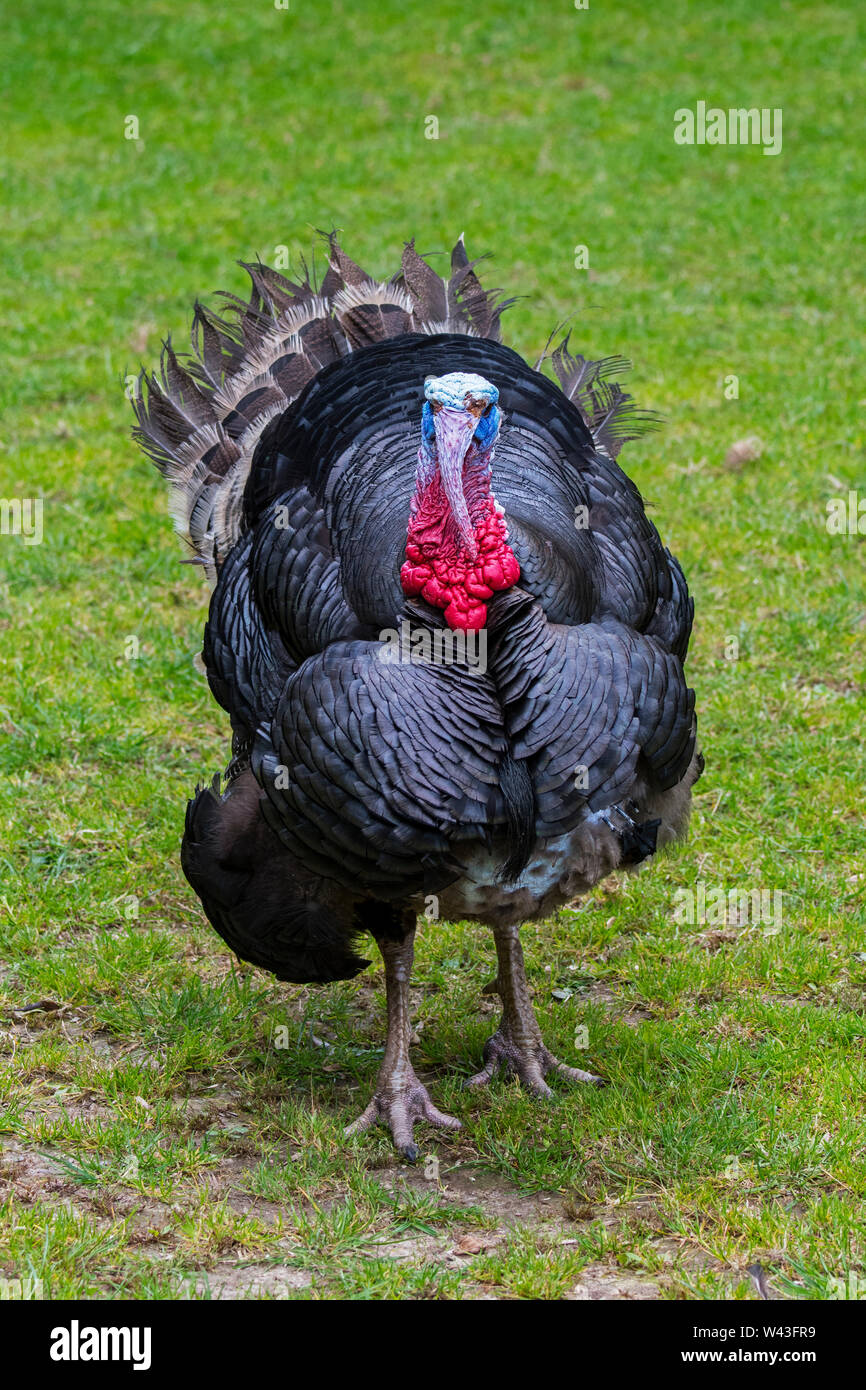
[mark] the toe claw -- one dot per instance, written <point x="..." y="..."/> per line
<point x="587" y="1078"/>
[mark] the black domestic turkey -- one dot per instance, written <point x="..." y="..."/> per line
<point x="448" y="638"/>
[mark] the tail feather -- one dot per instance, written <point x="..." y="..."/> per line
<point x="520" y="812"/>
<point x="609" y="412"/>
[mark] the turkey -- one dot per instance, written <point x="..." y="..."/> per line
<point x="447" y="636"/>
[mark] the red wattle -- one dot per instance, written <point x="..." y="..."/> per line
<point x="438" y="567"/>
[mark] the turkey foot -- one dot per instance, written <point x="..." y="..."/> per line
<point x="399" y="1104"/>
<point x="528" y="1059"/>
<point x="517" y="1047"/>
<point x="399" y="1099"/>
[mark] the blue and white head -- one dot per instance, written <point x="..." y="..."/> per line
<point x="460" y="410"/>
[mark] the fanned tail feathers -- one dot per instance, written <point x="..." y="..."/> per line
<point x="201" y="416"/>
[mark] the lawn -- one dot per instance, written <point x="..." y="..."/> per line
<point x="172" y="1121"/>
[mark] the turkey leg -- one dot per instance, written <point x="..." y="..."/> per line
<point x="400" y="1099"/>
<point x="517" y="1047"/>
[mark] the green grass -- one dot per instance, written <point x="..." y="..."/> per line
<point x="155" y="1141"/>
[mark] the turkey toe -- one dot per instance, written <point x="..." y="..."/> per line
<point x="400" y="1107"/>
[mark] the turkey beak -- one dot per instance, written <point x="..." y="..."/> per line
<point x="454" y="431"/>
